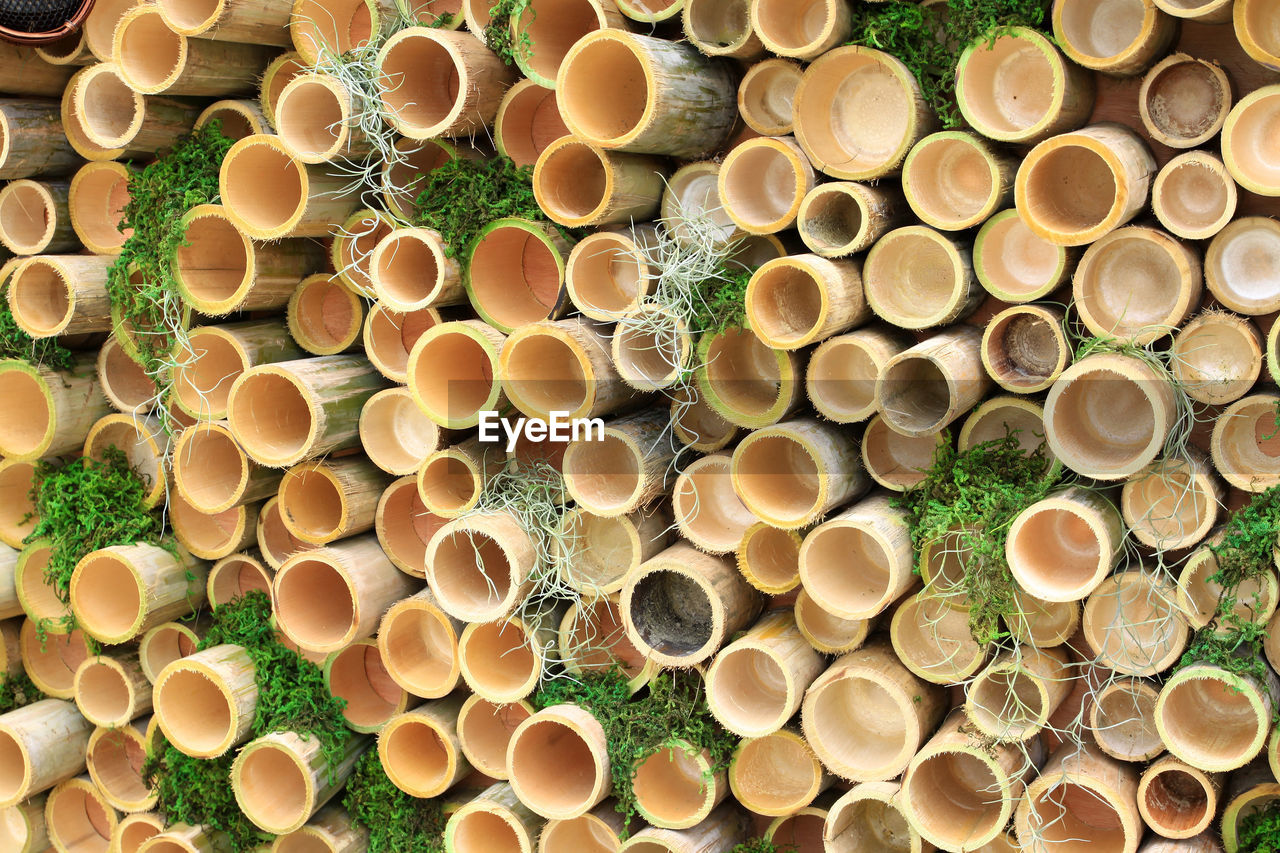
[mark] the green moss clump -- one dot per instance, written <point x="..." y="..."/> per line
<point x="497" y="33"/>
<point x="722" y="299"/>
<point x="198" y="792"/>
<point x="973" y="496"/>
<point x="15" y="343"/>
<point x="674" y="709"/>
<point x="16" y="691"/>
<point x="1259" y="830"/>
<point x="397" y="822"/>
<point x="762" y="845"/>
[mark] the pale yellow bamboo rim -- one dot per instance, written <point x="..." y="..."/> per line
<point x="755" y="106"/>
<point x="651" y="11"/>
<point x="452" y="754"/>
<point x="997" y="289"/>
<point x="732" y="172"/>
<point x="748" y="566"/>
<point x="352" y="264"/>
<point x="788" y="384"/>
<point x="40" y="378"/>
<point x="230" y="185"/>
<point x="323" y="470"/>
<point x="183" y="635"/>
<point x="710" y="787"/>
<point x="716" y="615"/>
<point x="135" y="626"/>
<point x="458" y="110"/>
<point x="1165" y="183"/>
<point x="879" y="285"/>
<point x="480" y="805"/>
<point x="812" y="451"/>
<point x="1133" y="53"/>
<point x="87" y="789"/>
<point x="1144" y="744"/>
<point x="337" y="562"/>
<point x="1154" y="121"/>
<point x="214" y="586"/>
<point x="126" y="30"/>
<point x="84" y="188"/>
<point x="1250" y="17"/>
<point x="480" y="760"/>
<point x="547" y="200"/>
<point x="637" y="676"/>
<point x="1049" y="54"/>
<point x="315" y="428"/>
<point x="68" y="110"/>
<point x="570" y="717"/>
<point x="49" y="213"/>
<point x="818" y="282"/>
<point x="303" y="317"/>
<point x="198" y="667"/>
<point x="835" y="636"/>
<point x="913" y="179"/>
<point x="304" y="775"/>
<point x="651" y="89"/>
<point x="530" y="95"/>
<point x="1235" y="144"/>
<point x="515" y="389"/>
<point x="343" y="137"/>
<point x="950" y="653"/>
<point x="88" y="77"/>
<point x="68" y="292"/>
<point x="1204" y="756"/>
<point x="131" y="693"/>
<point x="310" y="38"/>
<point x="741" y="780"/>
<point x="110" y="793"/>
<point x="277" y="75"/>
<point x="1010" y="376"/>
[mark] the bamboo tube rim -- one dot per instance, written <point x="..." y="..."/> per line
<point x="234" y="248"/>
<point x="1023" y="693"/>
<point x="651" y="345"/>
<point x="70" y="49"/>
<point x="322" y="130"/>
<point x="1182" y="222"/>
<point x="540" y="275"/>
<point x="764" y="110"/>
<point x="596" y="563"/>
<point x="757" y="208"/>
<point x="17" y="513"/>
<point x="437" y="639"/>
<point x="550" y="32"/>
<point x="136" y="829"/>
<point x="325" y="575"/>
<point x="272" y="813"/>
<point x="531" y="394"/>
<point x="33" y="202"/>
<point x="143" y="443"/>
<point x="358" y="675"/>
<point x="1222" y="754"/>
<point x="693" y="191"/>
<point x="1204" y="11"/>
<point x="99" y="681"/>
<point x="400" y="184"/>
<point x="781" y="295"/>
<point x="72" y="126"/>
<point x="531" y="107"/>
<point x="1101" y="788"/>
<point x="211" y="536"/>
<point x="1258" y="794"/>
<point x="908" y="386"/>
<point x="608" y="476"/>
<point x="125" y="383"/>
<point x="1197" y="595"/>
<point x="153" y="658"/>
<point x="223" y="587"/>
<point x="1249" y="17"/>
<point x="500" y="668"/>
<point x="499" y="825"/>
<point x="994" y="416"/>
<point x="1104" y="729"/>
<point x="396" y="435"/>
<point x="78" y="802"/>
<point x="27" y="389"/>
<point x="916" y="631"/>
<point x="998" y="786"/>
<point x="464" y="595"/>
<point x="1154" y="502"/>
<point x="870" y="805"/>
<point x="1002" y="121"/>
<point x="272" y="533"/>
<point x="828" y="226"/>
<point x="869" y="598"/>
<point x="692" y="416"/>
<point x="314" y="316"/>
<point x="786" y="27"/>
<point x="260" y="208"/>
<point x="1133" y="623"/>
<point x="86" y="188"/>
<point x="450" y="480"/>
<point x="651" y="11"/>
<point x="289" y="395"/>
<point x="1134" y="52"/>
<point x="564" y="761"/>
<point x="925" y="170"/>
<point x="403" y="744"/>
<point x="626" y="54"/>
<point x="593" y="165"/>
<point x="591" y="833"/>
<point x="769" y="558"/>
<point x="765" y="791"/>
<point x="1174" y="130"/>
<point x="463" y="405"/>
<point x="1174" y="798"/>
<point x="880" y="440"/>
<point x="51" y="664"/>
<point x="760" y="710"/>
<point x="114" y="761"/>
<point x="607" y="652"/>
<point x="675" y="787"/>
<point x="200" y="684"/>
<point x="149" y="56"/>
<point x="412" y="115"/>
<point x="884" y="286"/>
<point x="811" y="481"/>
<point x="276" y="76"/>
<point x="1239" y="446"/>
<point x="827" y="632"/>
<point x="42" y="295"/>
<point x="1060" y="517"/>
<point x="312" y="25"/>
<point x="308" y="509"/>
<point x="588" y="275"/>
<point x="1015" y="367"/>
<point x="352" y="248"/>
<point x="404" y="526"/>
<point x="238" y="118"/>
<point x="397" y="280"/>
<point x="103" y="96"/>
<point x="1227" y="264"/>
<point x="1004" y="226"/>
<point x="738" y="400"/>
<point x="841" y="373"/>
<point x="479" y="754"/>
<point x="663" y="571"/>
<point x="387" y="345"/>
<point x="109" y="594"/>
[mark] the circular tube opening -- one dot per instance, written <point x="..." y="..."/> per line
<point x="472" y="573"/>
<point x="270" y="416"/>
<point x="315" y="603"/>
<point x="195" y="712"/>
<point x="264" y="186"/>
<point x="604" y="89"/>
<point x="514" y="276"/>
<point x="555" y="768"/>
<point x="1071" y="189"/>
<point x="108" y="595"/>
<point x="672" y="613"/>
<point x="273" y="788"/>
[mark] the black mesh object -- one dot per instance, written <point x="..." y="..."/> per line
<point x="40" y="20"/>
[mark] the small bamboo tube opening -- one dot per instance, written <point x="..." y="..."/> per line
<point x="335" y="25"/>
<point x="1082" y="800"/>
<point x="114" y="116"/>
<point x="60" y="295"/>
<point x="34" y="218"/>
<point x="842" y="217"/>
<point x="453" y="373"/>
<point x="931" y="637"/>
<point x="623" y="468"/>
<point x="769" y="558"/>
<point x="776" y="774"/>
<point x="1173" y="504"/>
<point x="49" y="412"/>
<point x="1060" y="548"/>
<point x="607" y="273"/>
<point x="1240" y="262"/>
<point x="416" y="60"/>
<point x="114" y="759"/>
<point x="418" y="642"/>
<point x="502" y="661"/>
<point x="1184" y="101"/>
<point x="723" y="28"/>
<point x="96" y="202"/>
<point x="1122" y="720"/>
<point x="651" y="11"/>
<point x="1014" y="697"/>
<point x="484" y="733"/>
<point x="181" y="838"/>
<point x="52" y="665"/>
<point x="1258" y="39"/>
<point x="101" y="23"/>
<point x="389" y="337"/>
<point x="280" y="780"/>
<point x="395" y="433"/>
<point x="564" y="367"/>
<point x="213" y="474"/>
<point x="235" y="576"/>
<point x="800" y="299"/>
<point x="836" y="94"/>
<point x="410" y="271"/>
<point x="515" y="273"/>
<point x="497" y="819"/>
<point x="1015" y="264"/>
<point x="866" y="716"/>
<point x="692" y="192"/>
<point x="804" y="30"/>
<point x="120" y="591"/>
<point x="991" y="419"/>
<point x="358" y="675"/>
<point x="212" y="536"/>
<point x="164" y="644"/>
<point x="402" y="181"/>
<point x="237" y="118"/>
<point x="841" y="374"/>
<point x="650" y="347"/>
<point x="595" y="832"/>
<point x="857" y="563"/>
<point x="1176" y="800"/>
<point x="606" y="550"/>
<point x="550" y="28"/>
<point x="204" y="703"/>
<point x="869" y="817"/>
<point x="827" y="632"/>
<point x="1132" y="394"/>
<point x="268" y="194"/>
<point x="894" y="460"/>
<point x="578" y="184"/>
<point x="124" y="381"/>
<point x="315" y="117"/>
<point x="275" y="541"/>
<point x="1119" y="37"/>
<point x="1248" y="148"/>
<point x="479" y="567"/>
<point x="593" y="637"/>
<point x="78" y="818"/>
<point x="917" y="278"/>
<point x="324" y="316"/>
<point x="762" y="182"/>
<point x="450" y="480"/>
<point x="1193" y="196"/>
<point x="528" y="121"/>
<point x="41" y="745"/>
<point x="922" y="390"/>
<point x="325" y="501"/>
<point x="404" y="526"/>
<point x="672" y="788"/>
<point x="1244" y="446"/>
<point x="112" y="691"/>
<point x="276" y="76"/>
<point x="1025" y="348"/>
<point x="353" y="246"/>
<point x="1213" y="719"/>
<point x="1074" y="188"/>
<point x="136" y="829"/>
<point x="766" y="95"/>
<point x="420" y="751"/>
<point x="17" y="513"/>
<point x="953" y="180"/>
<point x="697" y="424"/>
<point x="757" y="682"/>
<point x="1133" y="624"/>
<point x="792" y="473"/>
<point x="558" y="764"/>
<point x="151" y="58"/>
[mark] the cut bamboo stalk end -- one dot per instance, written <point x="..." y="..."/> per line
<point x="316" y="118"/>
<point x="77" y="817"/>
<point x="22" y="826"/>
<point x="608" y="273"/>
<point x="213" y="474"/>
<point x="841" y="374"/>
<point x="212" y="536"/>
<point x="993" y="418"/>
<point x="798" y="300"/>
<point x="319" y="27"/>
<point x="327" y="598"/>
<point x="993" y="79"/>
<point x="496" y="819"/>
<point x="164" y="644"/>
<point x="592" y="637"/>
<point x="1176" y="800"/>
<point x="119" y="592"/>
<point x="769" y="558"/>
<point x="45" y="743"/>
<point x="931" y="637"/>
<point x="726" y="827"/>
<point x="181" y="838"/>
<point x="1174" y="503"/>
<point x="268" y="194"/>
<point x="52" y="295"/>
<point x="18" y="514"/>
<point x="832" y="128"/>
<point x="547" y="31"/>
<point x="842" y="217"/>
<point x="776" y="774"/>
<point x="323" y="501"/>
<point x="1132" y="623"/>
<point x="95" y="205"/>
<point x="404" y="526"/>
<point x="100" y="24"/>
<point x="528" y="120"/>
<point x="607" y="550"/>
<point x="331" y="830"/>
<point x="418" y="643"/>
<point x="558" y="762"/>
<point x="1074" y="188"/>
<point x="867" y="816"/>
<point x="389" y="336"/>
<point x="762" y="183"/>
<point x="954" y="180"/>
<point x="403" y="181"/>
<point x="1121" y="41"/>
<point x="626" y="466"/>
<point x="34" y="218"/>
<point x="805" y="30"/>
<point x="1015" y="696"/>
<point x="397" y="436"/>
<point x="236" y="575"/>
<point x="419" y="749"/>
<point x="151" y="58"/>
<point x="693" y="193"/>
<point x="1198" y="595"/>
<point x="1243" y="443"/>
<point x="503" y="661"/>
<point x="918" y="278"/>
<point x="10" y="602"/>
<point x="923" y="389"/>
<point x="1250" y="18"/>
<point x="205" y="702"/>
<point x="1025" y="348"/>
<point x="236" y="118"/>
<point x="1122" y="720"/>
<point x="479" y="567"/>
<point x="1201" y="11"/>
<point x="723" y="28"/>
<point x="1014" y="264"/>
<point x="1131" y="392"/>
<point x="676" y="788"/>
<point x="651" y="348"/>
<point x="34" y="137"/>
<point x="896" y="461"/>
<point x="877" y="534"/>
<point x="275" y="77"/>
<point x="651" y="11"/>
<point x="515" y="273"/>
<point x="115" y="116"/>
<point x="679" y="102"/>
<point x="125" y="382"/>
<point x="562" y="366"/>
<point x="1194" y="196"/>
<point x="715" y="603"/>
<point x="485" y="730"/>
<point x="409" y="270"/>
<point x="51" y="665"/>
<point x="1184" y="101"/>
<point x="220" y="355"/>
<point x="112" y="691"/>
<point x="696" y="424"/>
<point x="229" y="20"/>
<point x="143" y="442"/>
<point x="281" y="779"/>
<point x="578" y="184"/>
<point x="827" y="632"/>
<point x="358" y="675"/>
<point x="1081" y="796"/>
<point x="78" y="144"/>
<point x="450" y="480"/>
<point x="867" y="715"/>
<point x="325" y="316"/>
<point x="1081" y="529"/>
<point x="758" y="681"/>
<point x="594" y="832"/>
<point x="1235" y="262"/>
<point x="275" y="541"/>
<point x="136" y="829"/>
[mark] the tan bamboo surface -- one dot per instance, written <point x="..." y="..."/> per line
<point x="592" y="637"/>
<point x="479" y="567"/>
<point x="766" y="95"/>
<point x="409" y="271"/>
<point x="562" y="366"/>
<point x="165" y="643"/>
<point x="95" y="205"/>
<point x="220" y="677"/>
<point x="528" y="120"/>
<point x="77" y="816"/>
<point x="136" y="829"/>
<point x="1193" y="196"/>
<point x="623" y="188"/>
<point x="418" y="643"/>
<point x="606" y="273"/>
<point x="609" y="548"/>
<point x="918" y="278"/>
<point x="46" y="743"/>
<point x="112" y="691"/>
<point x="119" y="592"/>
<point x="235" y="575"/>
<point x="24" y="826"/>
<point x="34" y="217"/>
<point x="114" y="761"/>
<point x="1246" y="147"/>
<point x="558" y="763"/>
<point x="267" y="194"/>
<point x="152" y="58"/>
<point x="32" y="140"/>
<point x="594" y="832"/>
<point x="502" y="661"/>
<point x="676" y="788"/>
<point x="1082" y="793"/>
<point x="281" y="779"/>
<point x="115" y="116"/>
<point x="907" y="388"/>
<point x="627" y="468"/>
<point x="238" y="117"/>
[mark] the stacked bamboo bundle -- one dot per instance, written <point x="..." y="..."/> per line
<point x="814" y="303"/>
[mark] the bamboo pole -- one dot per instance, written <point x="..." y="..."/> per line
<point x="389" y="336"/>
<point x="1121" y="719"/>
<point x="331" y="830"/>
<point x="1213" y="719"/>
<point x="136" y="829"/>
<point x="954" y="180"/>
<point x="826" y="632"/>
<point x="230" y="20"/>
<point x="624" y="468"/>
<point x="1176" y="800"/>
<point x="453" y="373"/>
<point x="327" y="598"/>
<point x="608" y="273"/>
<point x="32" y="139"/>
<point x="46" y="743"/>
<point x="1250" y="18"/>
<point x="1184" y="101"/>
<point x="496" y="819"/>
<point x="726" y="827"/>
<point x="995" y="417"/>
<point x="804" y="30"/>
<point x="34" y="218"/>
<point x="651" y="348"/>
<point x="73" y="130"/>
<point x="275" y="541"/>
<point x="896" y="461"/>
<point x="867" y="715"/>
<point x="404" y="526"/>
<point x="723" y="28"/>
<point x="418" y="644"/>
<point x="714" y="603"/>
<point x="126" y="384"/>
<point x="22" y="826"/>
<point x="282" y="779"/>
<point x="1193" y="195"/>
<point x="1015" y="264"/>
<point x="1089" y="34"/>
<point x="10" y="602"/>
<point x="1132" y="623"/>
<point x="840" y="377"/>
<point x="1198" y="595"/>
<point x="594" y="832"/>
<point x="766" y="95"/>
<point x="579" y="184"/>
<point x="776" y="774"/>
<point x="237" y="118"/>
<point x="28" y="75"/>
<point x="698" y="425"/>
<point x="931" y="636"/>
<point x="18" y="516"/>
<point x="327" y="500"/>
<point x="205" y="702"/>
<point x="1246" y="147"/>
<point x="528" y="120"/>
<point x="592" y="637"/>
<point x="606" y="550"/>
<point x="869" y="816"/>
<point x="676" y="787"/>
<point x="1016" y="695"/>
<point x="516" y="273"/>
<point x="503" y="661"/>
<point x="1025" y="348"/>
<point x="221" y="355"/>
<point x="769" y="558"/>
<point x="268" y="194"/>
<point x="114" y="116"/>
<point x="221" y="270"/>
<point x="212" y="536"/>
<point x="832" y="128"/>
<point x="1230" y="264"/>
<point x="1240" y="445"/>
<point x="1081" y="797"/>
<point x="479" y="567"/>
<point x="151" y="58"/>
<point x="1063" y="546"/>
<point x="351" y="251"/>
<point x="181" y="838"/>
<point x="842" y="217"/>
<point x="562" y="366"/>
<point x="164" y="644"/>
<point x="397" y="436"/>
<point x="419" y="749"/>
<point x="95" y="205"/>
<point x="558" y="763"/>
<point x="693" y="192"/>
<point x="52" y="295"/>
<point x="77" y="817"/>
<point x="918" y="278"/>
<point x="1174" y="503"/>
<point x="907" y="389"/>
<point x="410" y="270"/>
<point x="275" y="77"/>
<point x="213" y="474"/>
<point x="112" y="691"/>
<point x="765" y="208"/>
<point x="236" y="575"/>
<point x="114" y="759"/>
<point x="451" y="479"/>
<point x="485" y="730"/>
<point x="876" y="535"/>
<point x="144" y="443"/>
<point x="100" y="25"/>
<point x="51" y="665"/>
<point x="120" y="591"/>
<point x="318" y="27"/>
<point x="797" y="300"/>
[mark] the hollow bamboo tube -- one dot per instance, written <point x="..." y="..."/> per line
<point x="867" y="715"/>
<point x="1131" y="392"/>
<point x="34" y="218"/>
<point x="715" y="603"/>
<point x="32" y="140"/>
<point x="1193" y="195"/>
<point x="679" y="102"/>
<point x="18" y="515"/>
<point x="592" y="638"/>
<point x="896" y="461"/>
<point x="595" y="832"/>
<point x="841" y="374"/>
<point x="27" y="73"/>
<point x="797" y="300"/>
<point x="389" y="336"/>
<point x="997" y="416"/>
<point x="726" y="827"/>
<point x="1199" y="596"/>
<point x="120" y="591"/>
<point x="142" y="440"/>
<point x="453" y="373"/>
<point x="693" y="193"/>
<point x="769" y="558"/>
<point x="1184" y="101"/>
<point x="1025" y="348"/>
<point x="1014" y="264"/>
<point x="236" y="575"/>
<point x="114" y="116"/>
<point x="45" y="743"/>
<point x="562" y="366"/>
<point x="327" y="598"/>
<point x="923" y="389"/>
<point x="11" y="660"/>
<point x="676" y="788"/>
<point x="404" y="177"/>
<point x="1110" y="169"/>
<point x="395" y="433"/>
<point x="917" y="278"/>
<point x="136" y="829"/>
<point x="236" y="118"/>
<point x="762" y="183"/>
<point x="1237" y="262"/>
<point x="419" y="749"/>
<point x="758" y="681"/>
<point x="77" y="817"/>
<point x="578" y="184"/>
<point x="723" y="28"/>
<point x="212" y="536"/>
<point x="1174" y="503"/>
<point x="832" y="128"/>
<point x="321" y="28"/>
<point x="415" y="57"/>
<point x="281" y="779"/>
<point x="324" y="316"/>
<point x="1080" y="528"/>
<point x="869" y="817"/>
<point x="204" y="702"/>
<point x="323" y="501"/>
<point x="409" y="270"/>
<point x="151" y="58"/>
<point x="101" y="24"/>
<point x="503" y="661"/>
<point x="267" y="194"/>
<point x="114" y="758"/>
<point x="547" y="31"/>
<point x="275" y="541"/>
<point x="1206" y="842"/>
<point x="566" y="744"/>
<point x="954" y="180"/>
<point x="842" y="217"/>
<point x="358" y="675"/>
<point x="651" y="347"/>
<point x="1121" y="719"/>
<point x="221" y="355"/>
<point x="22" y="826"/>
<point x="230" y="20"/>
<point x="51" y="665"/>
<point x="1082" y="797"/>
<point x="1176" y="800"/>
<point x="450" y="480"/>
<point x="627" y="466"/>
<point x="497" y="819"/>
<point x="278" y="73"/>
<point x="479" y="567"/>
<point x="515" y="273"/>
<point x="1214" y="719"/>
<point x="527" y="121"/>
<point x="1117" y="37"/>
<point x="1251" y="19"/>
<point x="1243" y="442"/>
<point x="112" y="691"/>
<point x="164" y="644"/>
<point x="791" y="474"/>
<point x="994" y="78"/>
<point x="404" y="526"/>
<point x="1247" y="147"/>
<point x="931" y="636"/>
<point x="182" y="838"/>
<point x="10" y="602"/>
<point x="125" y="382"/>
<point x="1133" y="624"/>
<point x="95" y="206"/>
<point x="315" y="405"/>
<point x="776" y="774"/>
<point x="1015" y="696"/>
<point x="418" y="643"/>
<point x="804" y="30"/>
<point x="51" y="411"/>
<point x="606" y="550"/>
<point x="875" y="534"/>
<point x="53" y="295"/>
<point x="696" y="424"/>
<point x="608" y="273"/>
<point x="827" y="632"/>
<point x="73" y="131"/>
<point x="651" y="12"/>
<point x="485" y="730"/>
<point x="330" y="830"/>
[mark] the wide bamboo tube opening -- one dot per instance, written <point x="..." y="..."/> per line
<point x="769" y="558"/>
<point x="650" y="347"/>
<point x="515" y="274"/>
<point x="1024" y="348"/>
<point x="136" y="829"/>
<point x="605" y="89"/>
<point x="956" y="798"/>
<point x="751" y="689"/>
<point x="1173" y="504"/>
<point x="324" y="501"/>
<point x="107" y="692"/>
<point x="1249" y="148"/>
<point x="215" y="268"/>
<point x="827" y="632"/>
<point x="1184" y="101"/>
<point x="672" y="789"/>
<point x="1244" y="444"/>
<point x="420" y="752"/>
<point x="1255" y="30"/>
<point x="453" y="373"/>
<point x="439" y="84"/>
<point x="552" y="28"/>
<point x="211" y="536"/>
<point x="478" y="567"/>
<point x="278" y="74"/>
<point x="274" y="539"/>
<point x="920" y="391"/>
<point x="593" y="636"/>
<point x="17" y="513"/>
<point x="607" y="274"/>
<point x="42" y="296"/>
<point x="395" y="433"/>
<point x="605" y="550"/>
<point x="1114" y="36"/>
<point x="211" y="470"/>
<point x="314" y="118"/>
<point x="409" y="269"/>
<point x="28" y="424"/>
<point x="1136" y="283"/>
<point x="124" y="381"/>
<point x="202" y="385"/>
<point x="491" y="823"/>
<point x="1194" y="197"/>
<point x="1199" y="596"/>
<point x="316" y="601"/>
<point x="484" y="733"/>
<point x="1014" y="263"/>
<point x="236" y="575"/>
<point x="673" y="613"/>
<point x="575" y="180"/>
<point x="354" y="245"/>
<point x="558" y="764"/>
<point x="835" y="96"/>
<point x="100" y="24"/>
<point x="1060" y="548"/>
<point x="501" y="661"/>
<point x="143" y="443"/>
<point x="77" y="818"/>
<point x="1242" y="265"/>
<point x="96" y="201"/>
<point x="28" y="217"/>
<point x="591" y="833"/>
<point x="334" y="25"/>
<point x="794" y="301"/>
<point x="419" y="645"/>
<point x="547" y="369"/>
<point x="237" y="119"/>
<point x="1122" y="720"/>
<point x="111" y="113"/>
<point x="932" y="638"/>
<point x="778" y="476"/>
<point x="273" y="786"/>
<point x="609" y="477"/>
<point x="263" y="188"/>
<point x="800" y="28"/>
<point x="114" y="759"/>
<point x="1014" y="697"/>
<point x="292" y="426"/>
<point x="916" y="278"/>
<point x="855" y="565"/>
<point x="762" y="182"/>
<point x="841" y="376"/>
<point x="358" y="675"/>
<point x="894" y="460"/>
<point x="197" y="709"/>
<point x="1079" y="812"/>
<point x="52" y="665"/>
<point x="1133" y="624"/>
<point x="1213" y="719"/>
<point x="869" y="817"/>
<point x="324" y="315"/>
<point x="164" y="644"/>
<point x="954" y="180"/>
<point x="389" y="337"/>
<point x="776" y="774"/>
<point x="766" y="95"/>
<point x="149" y="56"/>
<point x="528" y="121"/>
<point x="842" y="217"/>
<point x="109" y="591"/>
<point x="1176" y="799"/>
<point x="693" y="192"/>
